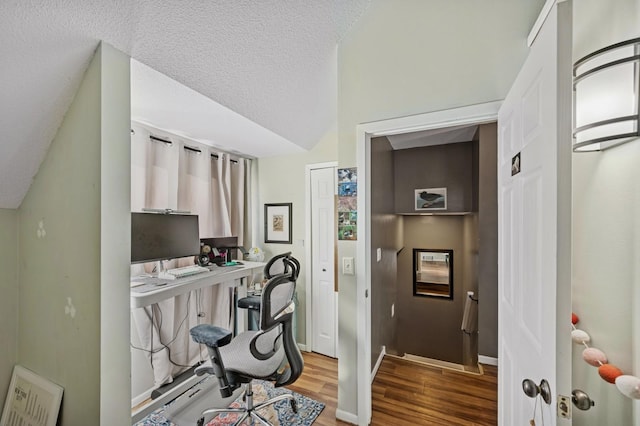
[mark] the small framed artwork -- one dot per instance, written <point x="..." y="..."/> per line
<point x="430" y="199"/>
<point x="515" y="165"/>
<point x="31" y="400"/>
<point x="277" y="223"/>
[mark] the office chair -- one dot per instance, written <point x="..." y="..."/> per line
<point x="278" y="264"/>
<point x="281" y="264"/>
<point x="270" y="353"/>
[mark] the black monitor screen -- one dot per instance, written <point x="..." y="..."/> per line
<point x="163" y="236"/>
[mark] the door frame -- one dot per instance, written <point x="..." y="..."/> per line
<point x="307" y="253"/>
<point x="468" y="115"/>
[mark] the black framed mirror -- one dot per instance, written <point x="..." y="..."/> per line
<point x="433" y="273"/>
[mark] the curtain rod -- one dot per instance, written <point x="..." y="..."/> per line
<point x="192" y="149"/>
<point x="188" y="148"/>
<point x="232" y="160"/>
<point x="157" y="139"/>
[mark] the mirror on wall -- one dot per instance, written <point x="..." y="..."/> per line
<point x="433" y="273"/>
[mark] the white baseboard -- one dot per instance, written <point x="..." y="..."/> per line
<point x="378" y="362"/>
<point x="142" y="397"/>
<point x="302" y="347"/>
<point x="346" y="417"/>
<point x="487" y="360"/>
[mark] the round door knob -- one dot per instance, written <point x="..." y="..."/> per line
<point x="581" y="400"/>
<point x="531" y="389"/>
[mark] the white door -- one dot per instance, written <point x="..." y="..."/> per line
<point x="323" y="295"/>
<point x="534" y="186"/>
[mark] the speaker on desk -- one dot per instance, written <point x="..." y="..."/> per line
<point x="203" y="259"/>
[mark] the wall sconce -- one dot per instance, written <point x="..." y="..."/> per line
<point x="605" y="97"/>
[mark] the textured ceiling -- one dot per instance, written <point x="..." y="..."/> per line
<point x="168" y="105"/>
<point x="271" y="62"/>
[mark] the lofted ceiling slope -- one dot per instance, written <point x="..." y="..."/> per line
<point x="273" y="63"/>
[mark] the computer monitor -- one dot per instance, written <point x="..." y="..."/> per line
<point x="156" y="236"/>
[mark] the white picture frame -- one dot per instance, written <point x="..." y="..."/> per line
<point x="429" y="199"/>
<point x="31" y="400"/>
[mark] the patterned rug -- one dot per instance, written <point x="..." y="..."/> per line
<point x="279" y="413"/>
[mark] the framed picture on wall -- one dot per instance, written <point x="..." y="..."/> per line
<point x="430" y="199"/>
<point x="277" y="223"/>
<point x="31" y="400"/>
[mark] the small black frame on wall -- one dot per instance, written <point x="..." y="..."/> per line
<point x="433" y="273"/>
<point x="277" y="223"/>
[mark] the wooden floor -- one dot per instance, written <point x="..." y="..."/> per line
<point x="405" y="393"/>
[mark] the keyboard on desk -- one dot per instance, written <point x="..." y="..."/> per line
<point x="172" y="274"/>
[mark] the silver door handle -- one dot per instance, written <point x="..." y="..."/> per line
<point x="531" y="389"/>
<point x="581" y="400"/>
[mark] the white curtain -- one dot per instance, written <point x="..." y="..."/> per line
<point x="212" y="185"/>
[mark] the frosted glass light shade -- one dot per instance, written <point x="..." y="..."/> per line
<point x="605" y="97"/>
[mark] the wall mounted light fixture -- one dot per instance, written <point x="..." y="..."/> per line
<point x="606" y="110"/>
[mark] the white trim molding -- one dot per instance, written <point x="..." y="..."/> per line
<point x="472" y="114"/>
<point x="378" y="362"/>
<point x="537" y="26"/>
<point x="345" y="416"/>
<point x="488" y="360"/>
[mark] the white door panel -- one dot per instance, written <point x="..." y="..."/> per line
<point x="323" y="300"/>
<point x="531" y="205"/>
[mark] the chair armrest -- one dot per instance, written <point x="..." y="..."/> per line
<point x="214" y="337"/>
<point x="210" y="335"/>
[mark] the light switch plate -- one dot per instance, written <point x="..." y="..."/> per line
<point x="378" y="254"/>
<point x="347" y="266"/>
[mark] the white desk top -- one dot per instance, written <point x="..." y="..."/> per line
<point x="155" y="290"/>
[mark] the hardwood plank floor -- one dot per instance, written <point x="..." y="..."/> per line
<point x="407" y="393"/>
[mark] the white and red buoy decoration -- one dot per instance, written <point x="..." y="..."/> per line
<point x="628" y="385"/>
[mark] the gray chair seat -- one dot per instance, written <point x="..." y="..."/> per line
<point x="238" y="359"/>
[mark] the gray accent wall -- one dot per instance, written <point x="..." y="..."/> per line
<point x="488" y="241"/>
<point x="469" y="172"/>
<point x="430" y="326"/>
<point x="387" y="236"/>
<point x="449" y="166"/>
<point x="9" y="298"/>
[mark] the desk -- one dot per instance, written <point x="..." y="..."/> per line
<point x="150" y="292"/>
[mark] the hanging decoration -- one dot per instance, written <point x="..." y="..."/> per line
<point x="628" y="385"/>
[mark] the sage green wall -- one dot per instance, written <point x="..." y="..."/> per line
<point x="62" y="308"/>
<point x="606" y="236"/>
<point x="414" y="56"/>
<point x="282" y="180"/>
<point x="115" y="237"/>
<point x="9" y="299"/>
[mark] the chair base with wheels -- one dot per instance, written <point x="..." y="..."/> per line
<point x="250" y="410"/>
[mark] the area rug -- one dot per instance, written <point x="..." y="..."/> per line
<point x="279" y="413"/>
